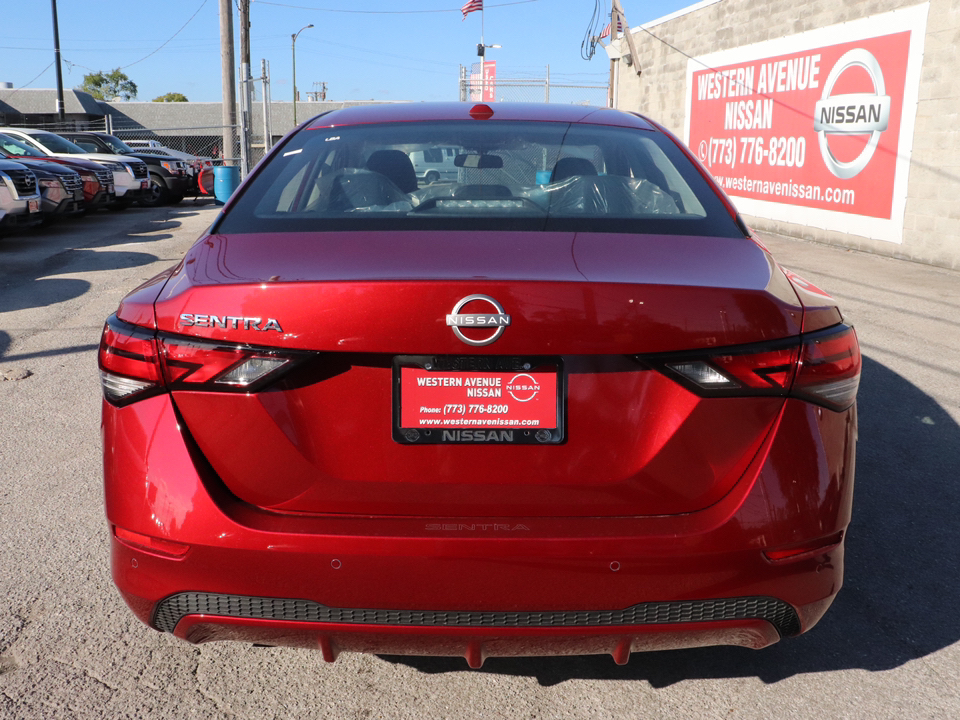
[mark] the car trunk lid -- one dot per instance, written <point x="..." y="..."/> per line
<point x="322" y="439"/>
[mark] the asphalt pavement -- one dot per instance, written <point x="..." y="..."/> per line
<point x="69" y="648"/>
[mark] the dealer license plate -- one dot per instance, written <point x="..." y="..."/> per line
<point x="33" y="206"/>
<point x="478" y="399"/>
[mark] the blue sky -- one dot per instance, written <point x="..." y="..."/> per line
<point x="380" y="50"/>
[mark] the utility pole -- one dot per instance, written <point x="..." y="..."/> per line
<point x="265" y="85"/>
<point x="619" y="19"/>
<point x="246" y="85"/>
<point x="56" y="54"/>
<point x="229" y="111"/>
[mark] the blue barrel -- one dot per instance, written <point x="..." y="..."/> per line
<point x="226" y="178"/>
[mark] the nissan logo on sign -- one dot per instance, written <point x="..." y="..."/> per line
<point x="495" y="321"/>
<point x="852" y="114"/>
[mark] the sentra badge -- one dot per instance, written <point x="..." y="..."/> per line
<point x="853" y="114"/>
<point x="229" y="322"/>
<point x="497" y="320"/>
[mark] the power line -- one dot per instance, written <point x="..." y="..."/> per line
<point x="168" y="40"/>
<point x="388" y="12"/>
<point x="7" y="97"/>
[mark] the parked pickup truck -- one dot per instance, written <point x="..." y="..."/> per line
<point x="169" y="180"/>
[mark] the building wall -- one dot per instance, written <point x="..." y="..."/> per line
<point x="931" y="224"/>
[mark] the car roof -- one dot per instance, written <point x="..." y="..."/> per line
<point x="28" y="131"/>
<point x="531" y="112"/>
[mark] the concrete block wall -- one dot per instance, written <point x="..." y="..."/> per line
<point x="932" y="219"/>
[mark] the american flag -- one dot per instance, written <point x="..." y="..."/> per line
<point x="471" y="6"/>
<point x="606" y="31"/>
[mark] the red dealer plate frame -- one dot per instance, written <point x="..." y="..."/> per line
<point x="463" y="399"/>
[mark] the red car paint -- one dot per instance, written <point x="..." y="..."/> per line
<point x="660" y="513"/>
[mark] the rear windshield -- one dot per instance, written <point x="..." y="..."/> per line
<point x="479" y="176"/>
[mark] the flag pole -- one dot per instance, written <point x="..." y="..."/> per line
<point x="483" y="72"/>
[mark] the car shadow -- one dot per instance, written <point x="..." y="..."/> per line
<point x="37" y="289"/>
<point x="901" y="579"/>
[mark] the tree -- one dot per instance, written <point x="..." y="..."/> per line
<point x="107" y="86"/>
<point x="171" y="97"/>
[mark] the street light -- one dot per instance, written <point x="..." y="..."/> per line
<point x="481" y="51"/>
<point x="294" y="47"/>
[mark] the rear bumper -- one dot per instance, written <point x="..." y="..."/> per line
<point x="478" y="587"/>
<point x="477" y="644"/>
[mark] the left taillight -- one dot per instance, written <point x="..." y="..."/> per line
<point x="136" y="362"/>
<point x="129" y="362"/>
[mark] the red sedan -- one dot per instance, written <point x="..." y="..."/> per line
<point x="564" y="404"/>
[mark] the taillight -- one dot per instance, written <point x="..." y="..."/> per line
<point x="219" y="366"/>
<point x="830" y="367"/>
<point x="136" y="363"/>
<point x="822" y="367"/>
<point x="739" y="372"/>
<point x="129" y="362"/>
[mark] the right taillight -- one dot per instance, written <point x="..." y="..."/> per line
<point x="829" y="372"/>
<point x="821" y="367"/>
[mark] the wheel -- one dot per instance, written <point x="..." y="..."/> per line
<point x="174" y="199"/>
<point x="156" y="194"/>
<point x="432" y="176"/>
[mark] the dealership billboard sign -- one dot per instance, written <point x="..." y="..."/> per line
<point x="815" y="128"/>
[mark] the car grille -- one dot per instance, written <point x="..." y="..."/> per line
<point x="24" y="181"/>
<point x="139" y="169"/>
<point x="104" y="177"/>
<point x="71" y="182"/>
<point x="778" y="613"/>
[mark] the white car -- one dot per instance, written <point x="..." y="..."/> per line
<point x="194" y="162"/>
<point x="130" y="175"/>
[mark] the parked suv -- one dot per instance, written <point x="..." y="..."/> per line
<point x="130" y="175"/>
<point x="169" y="180"/>
<point x="19" y="196"/>
<point x="61" y="189"/>
<point x="98" y="188"/>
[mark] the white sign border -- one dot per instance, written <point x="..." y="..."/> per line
<point x="913" y="19"/>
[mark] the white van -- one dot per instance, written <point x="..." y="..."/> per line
<point x="435" y="164"/>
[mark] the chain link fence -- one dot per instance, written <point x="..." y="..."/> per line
<point x="205" y="142"/>
<point x="507" y="89"/>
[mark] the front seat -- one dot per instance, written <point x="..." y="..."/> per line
<point x="395" y="165"/>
